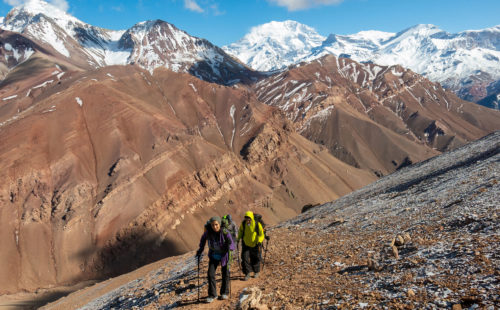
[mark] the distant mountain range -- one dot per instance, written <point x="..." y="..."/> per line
<point x="466" y="63"/>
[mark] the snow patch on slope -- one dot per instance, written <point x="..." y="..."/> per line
<point x="231" y="113"/>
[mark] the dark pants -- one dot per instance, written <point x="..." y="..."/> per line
<point x="212" y="289"/>
<point x="250" y="258"/>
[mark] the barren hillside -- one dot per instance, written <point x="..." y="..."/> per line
<point x="378" y="118"/>
<point x="107" y="170"/>
<point x="424" y="237"/>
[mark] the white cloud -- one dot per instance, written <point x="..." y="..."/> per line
<point x="61" y="4"/>
<point x="193" y="6"/>
<point x="296" y="5"/>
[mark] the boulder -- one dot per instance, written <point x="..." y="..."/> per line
<point x="250" y="300"/>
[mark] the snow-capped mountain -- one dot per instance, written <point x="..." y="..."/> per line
<point x="71" y="37"/>
<point x="157" y="43"/>
<point x="466" y="62"/>
<point x="457" y="61"/>
<point x="275" y="45"/>
<point x="150" y="44"/>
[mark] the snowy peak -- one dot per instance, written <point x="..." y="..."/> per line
<point x="488" y="38"/>
<point x="420" y="30"/>
<point x="465" y="62"/>
<point x="156" y="31"/>
<point x="275" y="45"/>
<point x="86" y="45"/>
<point x="149" y="44"/>
<point x="359" y="45"/>
<point x="39" y="6"/>
<point x="284" y="32"/>
<point x="21" y="16"/>
<point x="157" y="44"/>
<point x="370" y="37"/>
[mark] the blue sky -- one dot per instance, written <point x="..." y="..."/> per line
<point x="225" y="21"/>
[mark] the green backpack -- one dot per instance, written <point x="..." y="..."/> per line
<point x="228" y="229"/>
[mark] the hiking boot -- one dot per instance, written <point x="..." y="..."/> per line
<point x="210" y="299"/>
<point x="255" y="275"/>
<point x="223" y="297"/>
<point x="247" y="277"/>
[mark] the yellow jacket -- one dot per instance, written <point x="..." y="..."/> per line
<point x="250" y="235"/>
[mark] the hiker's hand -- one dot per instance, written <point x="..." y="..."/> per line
<point x="199" y="254"/>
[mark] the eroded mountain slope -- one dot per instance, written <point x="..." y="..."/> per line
<point x="423" y="237"/>
<point x="375" y="117"/>
<point x="111" y="169"/>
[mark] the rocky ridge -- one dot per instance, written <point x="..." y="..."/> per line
<point x="423" y="237"/>
<point x="333" y="101"/>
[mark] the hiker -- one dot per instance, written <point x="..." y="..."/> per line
<point x="220" y="243"/>
<point x="252" y="234"/>
<point x="227" y="221"/>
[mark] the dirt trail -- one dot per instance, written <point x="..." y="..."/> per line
<point x="238" y="285"/>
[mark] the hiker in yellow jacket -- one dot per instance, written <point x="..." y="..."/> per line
<point x="252" y="234"/>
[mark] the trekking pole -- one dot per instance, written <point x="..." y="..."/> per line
<point x="265" y="252"/>
<point x="229" y="275"/>
<point x="199" y="278"/>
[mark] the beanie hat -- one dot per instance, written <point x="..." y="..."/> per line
<point x="215" y="218"/>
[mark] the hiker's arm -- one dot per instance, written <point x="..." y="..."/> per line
<point x="232" y="245"/>
<point x="203" y="240"/>
<point x="260" y="234"/>
<point x="240" y="232"/>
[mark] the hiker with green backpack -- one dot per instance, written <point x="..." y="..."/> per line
<point x="252" y="234"/>
<point x="227" y="222"/>
<point x="220" y="244"/>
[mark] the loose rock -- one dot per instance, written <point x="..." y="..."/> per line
<point x="399" y="240"/>
<point x="410" y="293"/>
<point x="395" y="252"/>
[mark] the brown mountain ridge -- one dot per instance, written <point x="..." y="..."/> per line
<point x="374" y="117"/>
<point x="115" y="168"/>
